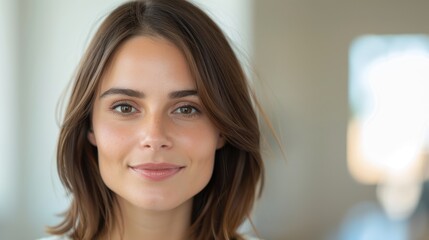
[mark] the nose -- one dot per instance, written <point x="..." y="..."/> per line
<point x="154" y="134"/>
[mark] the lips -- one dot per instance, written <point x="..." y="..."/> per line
<point x="157" y="171"/>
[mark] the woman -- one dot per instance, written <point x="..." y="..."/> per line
<point x="160" y="139"/>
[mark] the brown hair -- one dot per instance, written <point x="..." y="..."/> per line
<point x="222" y="206"/>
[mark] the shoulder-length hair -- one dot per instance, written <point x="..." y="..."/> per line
<point x="222" y="206"/>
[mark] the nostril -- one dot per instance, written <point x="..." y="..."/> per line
<point x="156" y="144"/>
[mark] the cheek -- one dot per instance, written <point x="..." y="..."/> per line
<point x="200" y="138"/>
<point x="200" y="145"/>
<point x="113" y="146"/>
<point x="112" y="136"/>
<point x="204" y="169"/>
<point x="113" y="143"/>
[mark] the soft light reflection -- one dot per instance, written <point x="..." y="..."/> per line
<point x="393" y="134"/>
<point x="387" y="135"/>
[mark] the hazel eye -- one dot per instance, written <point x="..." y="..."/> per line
<point x="186" y="110"/>
<point x="124" y="109"/>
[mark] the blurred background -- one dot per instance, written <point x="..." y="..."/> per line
<point x="344" y="83"/>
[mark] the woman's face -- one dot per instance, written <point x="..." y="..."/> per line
<point x="155" y="143"/>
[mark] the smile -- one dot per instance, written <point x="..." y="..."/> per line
<point x="156" y="171"/>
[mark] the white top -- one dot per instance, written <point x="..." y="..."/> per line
<point x="55" y="238"/>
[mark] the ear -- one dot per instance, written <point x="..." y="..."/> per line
<point x="220" y="142"/>
<point x="91" y="137"/>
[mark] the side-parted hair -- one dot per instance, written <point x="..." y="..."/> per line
<point x="222" y="206"/>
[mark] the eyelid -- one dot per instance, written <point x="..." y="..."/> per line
<point x="194" y="107"/>
<point x="186" y="103"/>
<point x="124" y="103"/>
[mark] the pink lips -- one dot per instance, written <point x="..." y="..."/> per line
<point x="156" y="171"/>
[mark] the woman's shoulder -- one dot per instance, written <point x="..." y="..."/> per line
<point x="55" y="238"/>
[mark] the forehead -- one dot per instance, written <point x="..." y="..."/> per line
<point x="145" y="60"/>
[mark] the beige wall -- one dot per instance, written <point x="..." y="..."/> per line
<point x="301" y="54"/>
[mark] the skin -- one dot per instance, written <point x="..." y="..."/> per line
<point x="161" y="120"/>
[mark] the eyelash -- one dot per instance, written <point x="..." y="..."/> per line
<point x="194" y="111"/>
<point x="117" y="108"/>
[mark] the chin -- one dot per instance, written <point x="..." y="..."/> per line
<point x="158" y="203"/>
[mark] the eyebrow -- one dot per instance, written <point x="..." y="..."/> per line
<point x="123" y="91"/>
<point x="138" y="94"/>
<point x="183" y="93"/>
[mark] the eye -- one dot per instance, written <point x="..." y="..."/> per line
<point x="187" y="110"/>
<point x="124" y="108"/>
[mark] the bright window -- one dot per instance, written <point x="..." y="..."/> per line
<point x="389" y="117"/>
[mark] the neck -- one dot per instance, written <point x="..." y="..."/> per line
<point x="150" y="224"/>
